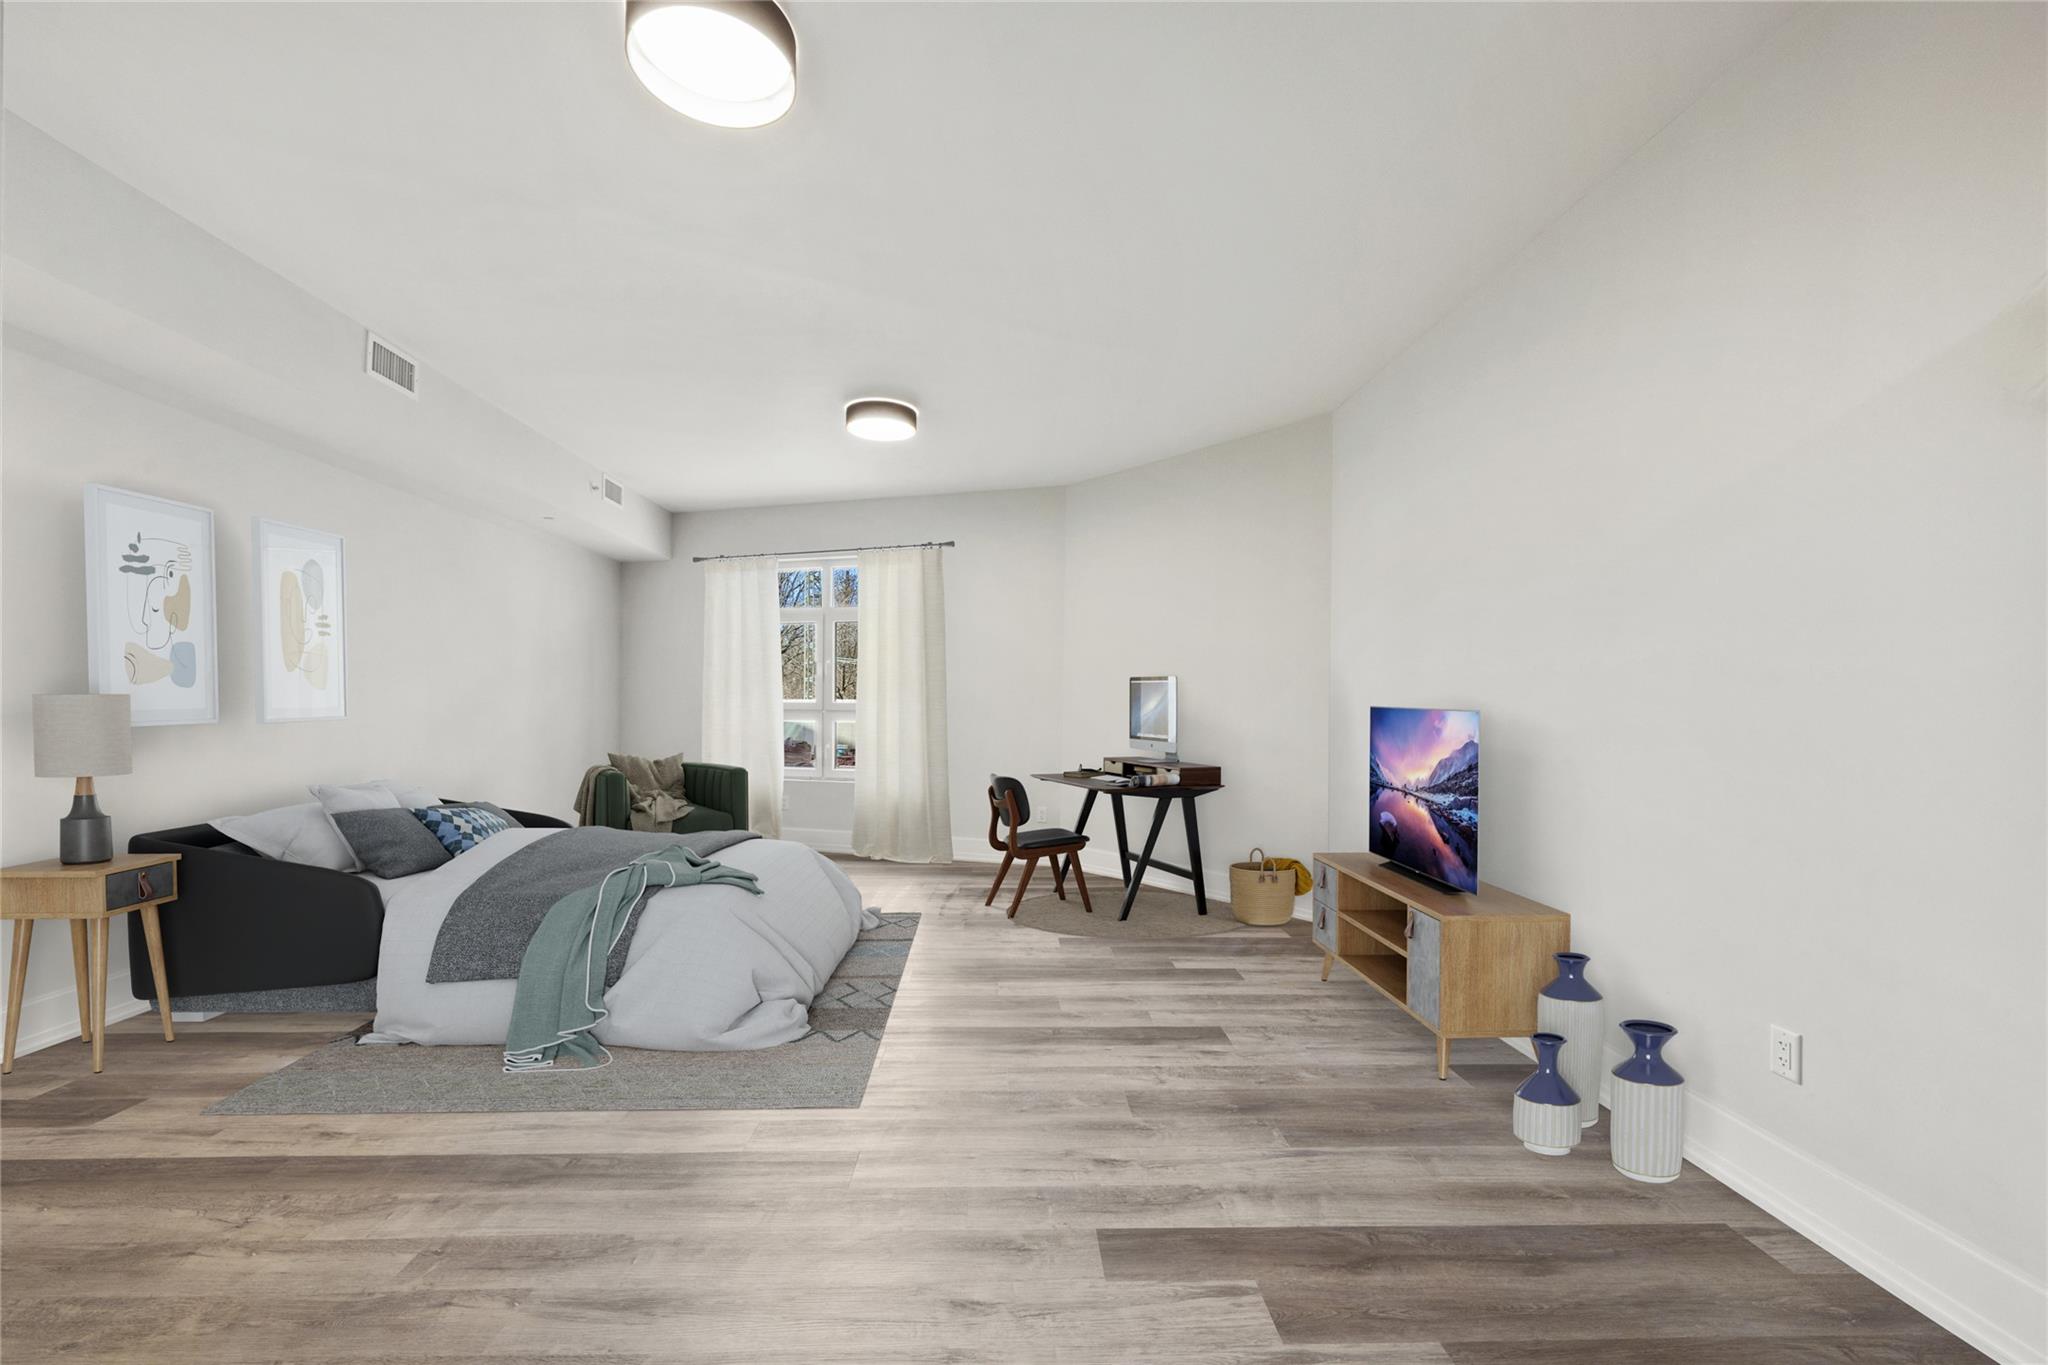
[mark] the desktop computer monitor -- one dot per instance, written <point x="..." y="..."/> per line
<point x="1155" y="716"/>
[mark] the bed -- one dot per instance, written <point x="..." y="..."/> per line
<point x="706" y="968"/>
<point x="225" y="935"/>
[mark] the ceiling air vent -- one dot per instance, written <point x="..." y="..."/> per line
<point x="612" y="490"/>
<point x="382" y="362"/>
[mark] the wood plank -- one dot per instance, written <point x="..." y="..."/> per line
<point x="1035" y="1099"/>
<point x="1509" y="1283"/>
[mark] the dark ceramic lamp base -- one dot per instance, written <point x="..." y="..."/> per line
<point x="85" y="835"/>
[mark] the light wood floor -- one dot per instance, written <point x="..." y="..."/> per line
<point x="1072" y="1150"/>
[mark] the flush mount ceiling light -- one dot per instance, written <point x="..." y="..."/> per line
<point x="881" y="419"/>
<point x="726" y="62"/>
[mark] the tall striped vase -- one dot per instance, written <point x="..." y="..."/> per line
<point x="1569" y="1006"/>
<point x="1546" y="1108"/>
<point x="1648" y="1137"/>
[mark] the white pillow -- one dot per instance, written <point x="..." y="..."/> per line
<point x="383" y="794"/>
<point x="292" y="834"/>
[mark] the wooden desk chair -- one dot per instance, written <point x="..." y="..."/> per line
<point x="1008" y="809"/>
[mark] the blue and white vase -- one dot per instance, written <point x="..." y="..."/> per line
<point x="1546" y="1107"/>
<point x="1571" y="1007"/>
<point x="1649" y="1107"/>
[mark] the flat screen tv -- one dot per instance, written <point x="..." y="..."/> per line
<point x="1425" y="793"/>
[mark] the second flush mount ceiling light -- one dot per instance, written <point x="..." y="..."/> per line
<point x="731" y="63"/>
<point x="881" y="419"/>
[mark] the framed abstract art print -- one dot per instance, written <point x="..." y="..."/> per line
<point x="302" y="619"/>
<point x="150" y="626"/>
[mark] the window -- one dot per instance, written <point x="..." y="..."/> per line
<point x="820" y="667"/>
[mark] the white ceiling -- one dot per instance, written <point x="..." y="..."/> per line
<point x="1080" y="236"/>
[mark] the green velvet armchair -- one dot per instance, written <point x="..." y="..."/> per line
<point x="718" y="792"/>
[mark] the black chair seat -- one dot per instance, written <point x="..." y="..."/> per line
<point x="1042" y="838"/>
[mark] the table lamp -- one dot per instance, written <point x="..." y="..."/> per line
<point x="83" y="737"/>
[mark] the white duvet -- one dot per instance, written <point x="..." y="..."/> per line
<point x="710" y="968"/>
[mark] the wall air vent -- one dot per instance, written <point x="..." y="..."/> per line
<point x="380" y="361"/>
<point x="612" y="490"/>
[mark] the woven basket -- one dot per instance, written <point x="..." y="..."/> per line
<point x="1258" y="893"/>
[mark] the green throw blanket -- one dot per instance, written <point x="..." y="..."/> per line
<point x="560" y="998"/>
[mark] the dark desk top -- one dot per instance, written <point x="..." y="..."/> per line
<point x="1118" y="789"/>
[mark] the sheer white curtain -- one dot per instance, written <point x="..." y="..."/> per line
<point x="901" y="799"/>
<point x="743" y="681"/>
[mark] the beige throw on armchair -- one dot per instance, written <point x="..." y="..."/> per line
<point x="657" y="787"/>
<point x="902" y="805"/>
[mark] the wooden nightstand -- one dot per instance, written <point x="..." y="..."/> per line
<point x="89" y="895"/>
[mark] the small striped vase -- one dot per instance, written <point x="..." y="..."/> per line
<point x="1571" y="1007"/>
<point x="1648" y="1137"/>
<point x="1546" y="1108"/>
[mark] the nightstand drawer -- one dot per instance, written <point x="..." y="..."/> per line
<point x="140" y="884"/>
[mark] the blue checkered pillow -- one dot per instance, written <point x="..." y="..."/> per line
<point x="461" y="828"/>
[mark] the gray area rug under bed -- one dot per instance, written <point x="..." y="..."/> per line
<point x="828" y="1068"/>
<point x="345" y="998"/>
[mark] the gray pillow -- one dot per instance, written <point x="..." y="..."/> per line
<point x="498" y="811"/>
<point x="390" y="843"/>
<point x="383" y="794"/>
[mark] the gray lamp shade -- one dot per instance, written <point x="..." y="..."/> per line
<point x="82" y="736"/>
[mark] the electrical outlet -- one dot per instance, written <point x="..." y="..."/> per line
<point x="1785" y="1053"/>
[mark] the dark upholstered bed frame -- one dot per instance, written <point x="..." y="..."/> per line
<point x="243" y="922"/>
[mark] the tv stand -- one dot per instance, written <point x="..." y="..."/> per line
<point x="1463" y="964"/>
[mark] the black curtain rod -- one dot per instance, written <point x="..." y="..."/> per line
<point x="814" y="554"/>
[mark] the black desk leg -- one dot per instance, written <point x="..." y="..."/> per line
<point x="1145" y="858"/>
<point x="1123" y="842"/>
<point x="1187" y="810"/>
<point x="1087" y="804"/>
<point x="1061" y="870"/>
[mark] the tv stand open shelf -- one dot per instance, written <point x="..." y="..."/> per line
<point x="1462" y="965"/>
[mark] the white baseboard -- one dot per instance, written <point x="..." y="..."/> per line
<point x="52" y="1017"/>
<point x="1987" y="1302"/>
<point x="1101" y="862"/>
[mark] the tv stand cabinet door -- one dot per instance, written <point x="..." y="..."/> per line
<point x="1425" y="967"/>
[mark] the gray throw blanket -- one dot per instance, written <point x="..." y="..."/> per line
<point x="485" y="935"/>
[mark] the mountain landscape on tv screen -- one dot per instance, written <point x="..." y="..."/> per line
<point x="1425" y="792"/>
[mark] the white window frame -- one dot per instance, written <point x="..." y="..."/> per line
<point x="823" y="713"/>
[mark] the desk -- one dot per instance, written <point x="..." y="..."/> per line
<point x="1163" y="797"/>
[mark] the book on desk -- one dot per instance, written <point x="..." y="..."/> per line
<point x="1159" y="772"/>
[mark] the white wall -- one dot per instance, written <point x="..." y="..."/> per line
<point x="1724" y="503"/>
<point x="1211" y="565"/>
<point x="482" y="660"/>
<point x="1215" y="567"/>
<point x="1002" y="636"/>
<point x="97" y="266"/>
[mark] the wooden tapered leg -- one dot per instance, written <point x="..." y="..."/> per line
<point x="1328" y="962"/>
<point x="1059" y="887"/>
<point x="1080" y="880"/>
<point x="17" y="981"/>
<point x="1443" y="1058"/>
<point x="81" y="957"/>
<point x="99" y="993"/>
<point x="153" y="932"/>
<point x="1001" y="873"/>
<point x="1030" y="866"/>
